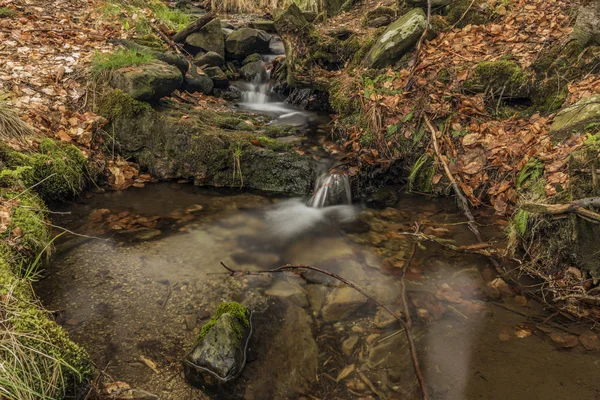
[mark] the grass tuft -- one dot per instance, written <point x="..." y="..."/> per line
<point x="105" y="62"/>
<point x="11" y="126"/>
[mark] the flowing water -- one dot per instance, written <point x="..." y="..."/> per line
<point x="137" y="288"/>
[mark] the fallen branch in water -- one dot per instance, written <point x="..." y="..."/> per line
<point x="463" y="200"/>
<point x="483" y="249"/>
<point x="409" y="338"/>
<point x="562" y="209"/>
<point x="405" y="267"/>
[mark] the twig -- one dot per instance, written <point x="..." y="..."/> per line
<point x="409" y="338"/>
<point x="464" y="14"/>
<point x="463" y="200"/>
<point x="559" y="209"/>
<point x="405" y="267"/>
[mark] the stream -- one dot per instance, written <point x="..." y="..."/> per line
<point x="137" y="288"/>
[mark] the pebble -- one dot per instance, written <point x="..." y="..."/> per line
<point x="349" y="344"/>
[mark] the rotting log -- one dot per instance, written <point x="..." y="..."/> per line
<point x="193" y="28"/>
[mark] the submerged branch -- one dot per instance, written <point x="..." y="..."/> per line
<point x="403" y="321"/>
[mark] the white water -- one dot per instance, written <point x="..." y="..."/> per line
<point x="330" y="190"/>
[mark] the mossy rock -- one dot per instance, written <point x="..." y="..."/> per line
<point x="204" y="148"/>
<point x="276" y="131"/>
<point x="219" y="355"/>
<point x="469" y="12"/>
<point x="148" y="82"/>
<point x="343" y="97"/>
<point x="499" y="78"/>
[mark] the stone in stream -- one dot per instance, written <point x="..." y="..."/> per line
<point x="149" y="81"/>
<point x="220" y="351"/>
<point x="263" y="25"/>
<point x="289" y="291"/>
<point x="252" y="58"/>
<point x="194" y="82"/>
<point x="210" y="59"/>
<point x="342" y="302"/>
<point x="397" y="39"/>
<point x="208" y="38"/>
<point x="245" y="41"/>
<point x="254" y="70"/>
<point x="218" y="77"/>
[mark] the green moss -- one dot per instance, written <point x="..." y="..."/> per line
<point x="6" y="12"/>
<point x="118" y="59"/>
<point x="237" y="310"/>
<point x="117" y="105"/>
<point x="151" y="41"/>
<point x="343" y="97"/>
<point x="275" y="131"/>
<point x="499" y="74"/>
<point x="252" y="58"/>
<point x="444" y="76"/>
<point x="475" y="12"/>
<point x="272" y="144"/>
<point x="57" y="170"/>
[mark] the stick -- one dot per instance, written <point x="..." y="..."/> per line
<point x="193" y="28"/>
<point x="405" y="267"/>
<point x="409" y="338"/>
<point x="459" y="194"/>
<point x="560" y="209"/>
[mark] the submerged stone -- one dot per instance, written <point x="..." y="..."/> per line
<point x="220" y="353"/>
<point x="397" y="39"/>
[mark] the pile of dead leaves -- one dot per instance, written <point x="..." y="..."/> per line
<point x="485" y="152"/>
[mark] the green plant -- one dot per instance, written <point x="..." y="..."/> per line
<point x="11" y="126"/>
<point x="421" y="174"/>
<point x="6" y="12"/>
<point x="237" y="166"/>
<point x="234" y="309"/>
<point x="103" y="62"/>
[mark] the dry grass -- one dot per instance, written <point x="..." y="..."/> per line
<point x="260" y="6"/>
<point x="11" y="126"/>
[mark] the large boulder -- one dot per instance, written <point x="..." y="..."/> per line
<point x="220" y="351"/>
<point x="209" y="38"/>
<point x="210" y="59"/>
<point x="148" y="82"/>
<point x="218" y="77"/>
<point x="245" y="41"/>
<point x="196" y="82"/>
<point x="397" y="39"/>
<point x="254" y="71"/>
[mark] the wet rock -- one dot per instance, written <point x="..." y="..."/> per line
<point x="252" y="58"/>
<point x="349" y="344"/>
<point x="263" y="25"/>
<point x="290" y="359"/>
<point x="397" y="39"/>
<point x="342" y="302"/>
<point x="194" y="82"/>
<point x="140" y="234"/>
<point x="209" y="38"/>
<point x="254" y="70"/>
<point x="590" y="340"/>
<point x="210" y="59"/>
<point x="289" y="291"/>
<point x="148" y="82"/>
<point x="563" y="340"/>
<point x="245" y="41"/>
<point x="220" y="353"/>
<point x="383" y="319"/>
<point x="316" y="297"/>
<point x="218" y="77"/>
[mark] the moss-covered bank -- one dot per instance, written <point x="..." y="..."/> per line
<point x="39" y="361"/>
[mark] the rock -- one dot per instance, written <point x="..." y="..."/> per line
<point x="210" y="59"/>
<point x="563" y="340"/>
<point x="590" y="340"/>
<point x="290" y="291"/>
<point x="254" y="70"/>
<point x="397" y="39"/>
<point x="263" y="25"/>
<point x="349" y="344"/>
<point x="194" y="82"/>
<point x="148" y="82"/>
<point x="245" y="41"/>
<point x="340" y="303"/>
<point x="290" y="359"/>
<point x="577" y="116"/>
<point x="383" y="319"/>
<point x="316" y="297"/>
<point x="219" y="355"/>
<point x="209" y="38"/>
<point x="378" y="22"/>
<point x="190" y="321"/>
<point x="218" y="77"/>
<point x="252" y="58"/>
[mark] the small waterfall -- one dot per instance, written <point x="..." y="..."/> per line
<point x="260" y="88"/>
<point x="331" y="189"/>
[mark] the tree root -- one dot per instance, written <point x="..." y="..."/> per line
<point x="403" y="321"/>
<point x="576" y="207"/>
